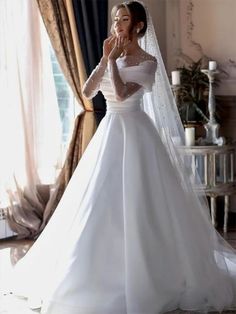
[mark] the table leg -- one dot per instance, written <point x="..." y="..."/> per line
<point x="213" y="211"/>
<point x="226" y="212"/>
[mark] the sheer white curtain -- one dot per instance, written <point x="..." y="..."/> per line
<point x="30" y="128"/>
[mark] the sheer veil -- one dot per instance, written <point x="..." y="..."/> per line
<point x="161" y="107"/>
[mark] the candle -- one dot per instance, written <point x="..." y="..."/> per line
<point x="189" y="136"/>
<point x="175" y="75"/>
<point x="212" y="65"/>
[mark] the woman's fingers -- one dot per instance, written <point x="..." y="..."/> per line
<point x="122" y="41"/>
<point x="119" y="42"/>
<point x="108" y="45"/>
<point x="111" y="39"/>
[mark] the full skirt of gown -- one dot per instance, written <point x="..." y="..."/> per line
<point x="126" y="238"/>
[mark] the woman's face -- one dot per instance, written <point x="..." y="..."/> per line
<point x="122" y="23"/>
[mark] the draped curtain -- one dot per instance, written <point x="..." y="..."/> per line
<point x="62" y="20"/>
<point x="59" y="19"/>
<point x="30" y="125"/>
<point x="91" y="22"/>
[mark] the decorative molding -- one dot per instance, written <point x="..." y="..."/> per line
<point x="229" y="66"/>
<point x="175" y="55"/>
<point x="178" y="55"/>
<point x="190" y="28"/>
<point x="180" y="24"/>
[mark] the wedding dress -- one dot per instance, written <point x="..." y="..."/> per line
<point x="130" y="235"/>
<point x="126" y="238"/>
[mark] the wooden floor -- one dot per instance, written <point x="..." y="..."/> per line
<point x="16" y="249"/>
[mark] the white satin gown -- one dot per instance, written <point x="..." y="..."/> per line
<point x="125" y="239"/>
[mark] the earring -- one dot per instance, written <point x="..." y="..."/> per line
<point x="138" y="30"/>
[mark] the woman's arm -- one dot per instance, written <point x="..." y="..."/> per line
<point x="92" y="84"/>
<point x="122" y="90"/>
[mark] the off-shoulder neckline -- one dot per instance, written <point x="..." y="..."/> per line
<point x="137" y="65"/>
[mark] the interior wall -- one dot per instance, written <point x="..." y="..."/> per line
<point x="197" y="28"/>
<point x="205" y="28"/>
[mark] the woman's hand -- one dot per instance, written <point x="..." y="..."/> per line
<point x="119" y="46"/>
<point x="108" y="45"/>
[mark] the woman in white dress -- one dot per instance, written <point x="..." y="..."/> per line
<point x="129" y="236"/>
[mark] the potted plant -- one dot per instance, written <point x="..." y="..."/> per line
<point x="192" y="98"/>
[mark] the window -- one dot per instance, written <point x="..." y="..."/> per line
<point x="68" y="105"/>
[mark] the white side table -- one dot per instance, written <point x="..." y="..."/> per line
<point x="216" y="168"/>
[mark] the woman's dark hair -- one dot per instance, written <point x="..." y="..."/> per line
<point x="137" y="12"/>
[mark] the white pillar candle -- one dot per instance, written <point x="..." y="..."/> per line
<point x="189" y="136"/>
<point x="212" y="65"/>
<point x="175" y="76"/>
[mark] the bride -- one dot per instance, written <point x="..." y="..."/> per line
<point x="130" y="235"/>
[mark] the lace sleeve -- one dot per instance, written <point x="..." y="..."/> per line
<point x="92" y="85"/>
